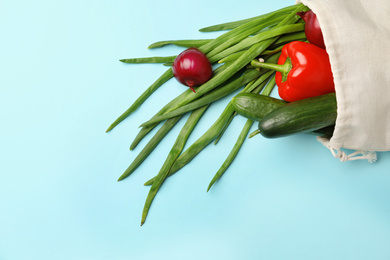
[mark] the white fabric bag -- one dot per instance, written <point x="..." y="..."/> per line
<point x="357" y="39"/>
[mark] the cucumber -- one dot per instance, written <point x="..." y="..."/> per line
<point x="303" y="116"/>
<point x="255" y="106"/>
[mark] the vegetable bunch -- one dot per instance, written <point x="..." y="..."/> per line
<point x="230" y="54"/>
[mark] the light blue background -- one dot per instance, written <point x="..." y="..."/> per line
<point x="61" y="87"/>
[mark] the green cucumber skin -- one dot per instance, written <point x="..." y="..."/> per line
<point x="324" y="132"/>
<point x="306" y="115"/>
<point x="255" y="106"/>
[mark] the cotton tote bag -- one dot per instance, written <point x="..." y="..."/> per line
<point x="357" y="39"/>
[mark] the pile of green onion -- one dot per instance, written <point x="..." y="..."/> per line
<point x="262" y="36"/>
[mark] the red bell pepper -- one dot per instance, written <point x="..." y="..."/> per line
<point x="303" y="71"/>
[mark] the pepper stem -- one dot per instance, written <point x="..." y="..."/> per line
<point x="282" y="68"/>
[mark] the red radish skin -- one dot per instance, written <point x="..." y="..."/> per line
<point x="192" y="68"/>
<point x="312" y="28"/>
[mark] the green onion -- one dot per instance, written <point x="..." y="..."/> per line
<point x="277" y="31"/>
<point x="233" y="153"/>
<point x="244" y="133"/>
<point x="150" y="146"/>
<point x="180" y="43"/>
<point x="235" y="24"/>
<point x="161" y="80"/>
<point x="209" y="97"/>
<point x="150" y="60"/>
<point x="173" y="154"/>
